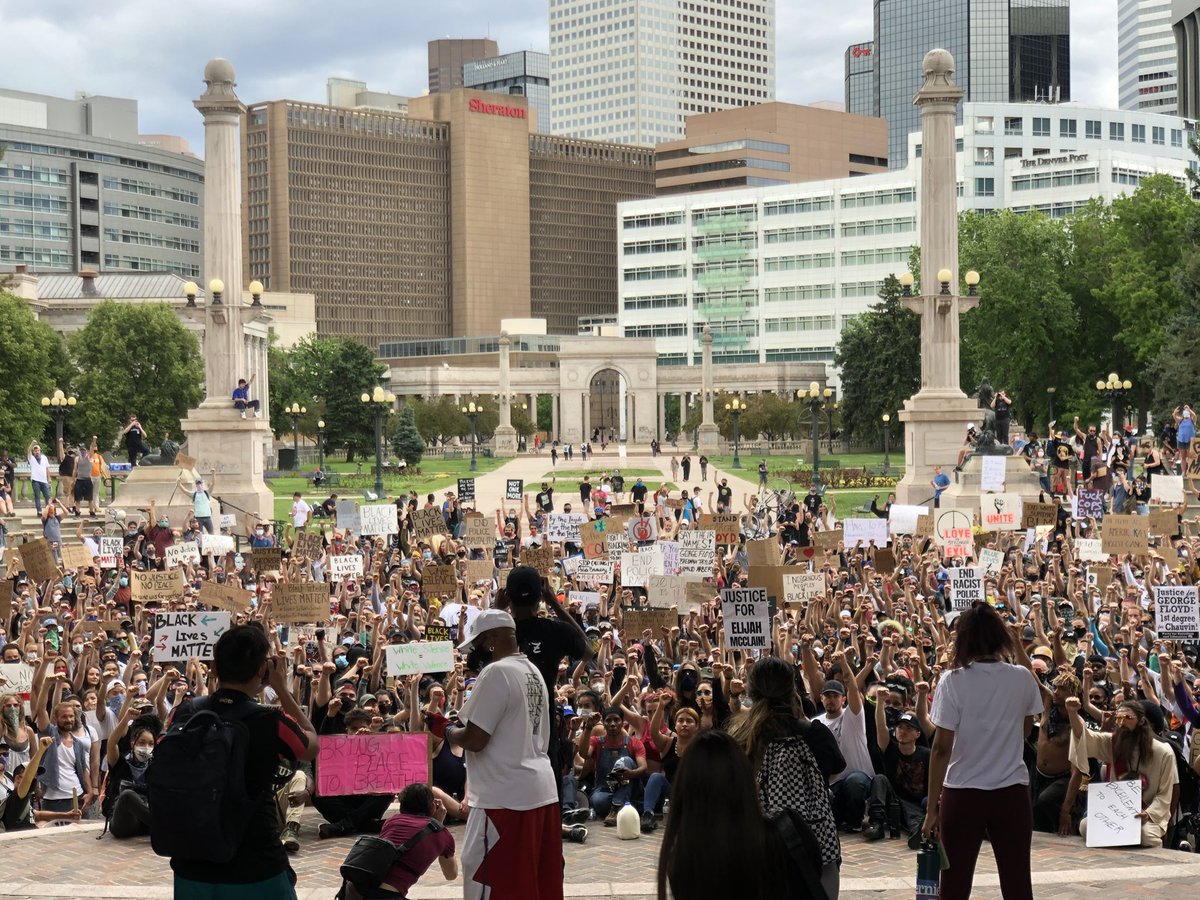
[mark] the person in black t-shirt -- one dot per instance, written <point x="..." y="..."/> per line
<point x="724" y="495"/>
<point x="545" y="498"/>
<point x="585" y="489"/>
<point x="903" y="791"/>
<point x="638" y="493"/>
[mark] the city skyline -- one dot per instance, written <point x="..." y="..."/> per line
<point x="128" y="49"/>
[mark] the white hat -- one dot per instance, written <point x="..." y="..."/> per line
<point x="488" y="620"/>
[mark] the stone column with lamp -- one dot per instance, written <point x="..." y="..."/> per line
<point x="709" y="437"/>
<point x="504" y="441"/>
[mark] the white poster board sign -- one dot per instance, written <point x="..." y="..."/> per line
<point x="1167" y="489"/>
<point x="966" y="586"/>
<point x="747" y="618"/>
<point x="992" y="479"/>
<point x="185" y="552"/>
<point x="991" y="560"/>
<point x="587" y="599"/>
<point x="902" y="518"/>
<point x="111" y="550"/>
<point x="1177" y="613"/>
<point x="872" y="530"/>
<point x="799" y="589"/>
<point x="378" y="518"/>
<point x="423" y="656"/>
<point x="697" y="553"/>
<point x="563" y="528"/>
<point x="187" y="635"/>
<point x="636" y="568"/>
<point x="1089" y="550"/>
<point x="1112" y="809"/>
<point x="594" y="571"/>
<point x="1000" y="512"/>
<point x="216" y="544"/>
<point x="348" y="565"/>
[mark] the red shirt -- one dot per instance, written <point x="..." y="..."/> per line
<point x="398" y="829"/>
<point x="636" y="748"/>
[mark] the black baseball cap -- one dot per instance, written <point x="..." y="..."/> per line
<point x="910" y="720"/>
<point x="834" y="687"/>
<point x="524" y="585"/>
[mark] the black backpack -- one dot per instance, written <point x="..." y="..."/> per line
<point x="199" y="771"/>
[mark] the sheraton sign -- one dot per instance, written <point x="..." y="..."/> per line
<point x="496" y="109"/>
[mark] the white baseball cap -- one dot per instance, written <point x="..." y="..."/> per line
<point x="488" y="620"/>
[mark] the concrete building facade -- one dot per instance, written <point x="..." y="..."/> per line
<point x="524" y="73"/>
<point x="448" y="56"/>
<point x="771" y="143"/>
<point x="630" y="71"/>
<point x="78" y="190"/>
<point x="434" y="224"/>
<point x="860" y="79"/>
<point x="1147" y="76"/>
<point x="1185" y="23"/>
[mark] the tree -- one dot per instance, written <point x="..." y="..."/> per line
<point x="440" y="420"/>
<point x="879" y="356"/>
<point x="135" y="360"/>
<point x="770" y="415"/>
<point x="406" y="439"/>
<point x="27" y="373"/>
<point x="522" y="423"/>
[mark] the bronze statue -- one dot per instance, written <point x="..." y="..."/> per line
<point x="163" y="456"/>
<point x="987" y="445"/>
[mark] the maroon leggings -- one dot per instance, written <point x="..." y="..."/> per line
<point x="1005" y="817"/>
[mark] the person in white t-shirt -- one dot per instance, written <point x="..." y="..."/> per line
<point x="39" y="476"/>
<point x="978" y="783"/>
<point x="300" y="511"/>
<point x="844" y="717"/>
<point x="512" y="848"/>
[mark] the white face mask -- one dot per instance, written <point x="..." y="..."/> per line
<point x="143" y="754"/>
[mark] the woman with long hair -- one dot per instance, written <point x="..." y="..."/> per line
<point x="978" y="782"/>
<point x="671" y="745"/>
<point x="716" y="843"/>
<point x="792" y="759"/>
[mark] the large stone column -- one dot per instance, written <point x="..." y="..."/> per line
<point x="554" y="400"/>
<point x="710" y="437"/>
<point x="533" y="414"/>
<point x="504" y="442"/>
<point x="662" y="417"/>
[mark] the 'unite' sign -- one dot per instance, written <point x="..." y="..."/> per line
<point x="496" y="109"/>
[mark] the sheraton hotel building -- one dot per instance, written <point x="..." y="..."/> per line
<point x="436" y="223"/>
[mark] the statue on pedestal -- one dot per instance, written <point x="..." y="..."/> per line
<point x="987" y="444"/>
<point x="163" y="456"/>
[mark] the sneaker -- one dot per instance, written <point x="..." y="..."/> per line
<point x="1185" y="846"/>
<point x="873" y="831"/>
<point x="575" y="816"/>
<point x="648" y="823"/>
<point x="577" y="834"/>
<point x="243" y="414"/>
<point x="332" y="830"/>
<point x="610" y="821"/>
<point x="914" y="840"/>
<point x="257" y="414"/>
<point x="291" y="837"/>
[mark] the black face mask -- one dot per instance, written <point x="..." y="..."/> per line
<point x="891" y="715"/>
<point x="687" y="680"/>
<point x="478" y="658"/>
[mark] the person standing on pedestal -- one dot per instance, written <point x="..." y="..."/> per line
<point x="134" y="435"/>
<point x="1002" y="404"/>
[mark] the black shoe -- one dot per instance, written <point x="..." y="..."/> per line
<point x="914" y="840"/>
<point x="873" y="831"/>
<point x="334" y="829"/>
<point x="648" y="823"/>
<point x="577" y="834"/>
<point x="575" y="816"/>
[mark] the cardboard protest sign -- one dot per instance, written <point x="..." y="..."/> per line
<point x="1089" y="505"/>
<point x="727" y="527"/>
<point x="439" y="581"/>
<point x="696" y="594"/>
<point x="428" y="522"/>
<point x="540" y="558"/>
<point x="594" y="571"/>
<point x="76" y="556"/>
<point x="1034" y="514"/>
<point x="746" y="618"/>
<point x="156" y="587"/>
<point x="216" y="544"/>
<point x="308" y="544"/>
<point x="378" y="519"/>
<point x="1103" y="578"/>
<point x="885" y="561"/>
<point x="1167" y="489"/>
<point x="829" y="540"/>
<point x="763" y="553"/>
<point x="801" y="587"/>
<point x="224" y="596"/>
<point x="112" y="548"/>
<point x="966" y="586"/>
<point x="514" y="489"/>
<point x="902" y="518"/>
<point x="478" y="570"/>
<point x="478" y="532"/>
<point x="593" y="539"/>
<point x="770" y="579"/>
<point x="347" y="565"/>
<point x="184" y="552"/>
<point x="665" y="591"/>
<point x="267" y="559"/>
<point x="1125" y="534"/>
<point x="424" y="657"/>
<point x="184" y="461"/>
<point x="1177" y="613"/>
<point x="300" y="602"/>
<point x="38" y="559"/>
<point x="466" y="490"/>
<point x="638" y="620"/>
<point x="992" y="476"/>
<point x="6" y="592"/>
<point x="697" y="552"/>
<point x="991" y="560"/>
<point x="352" y="765"/>
<point x="1089" y="550"/>
<point x="616" y="543"/>
<point x="1164" y="522"/>
<point x="637" y="567"/>
<point x="563" y="528"/>
<point x="1000" y="512"/>
<point x="868" y="531"/>
<point x="187" y="635"/>
<point x="1112" y="810"/>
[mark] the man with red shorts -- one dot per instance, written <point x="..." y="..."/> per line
<point x="512" y="848"/>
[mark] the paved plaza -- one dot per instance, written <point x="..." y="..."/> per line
<point x="69" y="862"/>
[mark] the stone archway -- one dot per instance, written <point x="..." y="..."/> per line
<point x="604" y="410"/>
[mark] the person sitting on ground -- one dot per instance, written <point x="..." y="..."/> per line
<point x="241" y="398"/>
<point x="16" y="790"/>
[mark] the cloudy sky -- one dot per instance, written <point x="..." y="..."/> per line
<point x="155" y="51"/>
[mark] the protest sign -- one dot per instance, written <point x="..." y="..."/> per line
<point x="466" y="490"/>
<point x="478" y="570"/>
<point x="642" y="529"/>
<point x="267" y="559"/>
<point x="439" y="581"/>
<point x="1169" y="555"/>
<point x="157" y="587"/>
<point x="1164" y="522"/>
<point x="347" y="565"/>
<point x="300" y="602"/>
<point x="111" y="551"/>
<point x="18" y="679"/>
<point x="665" y="591"/>
<point x="1176" y="613"/>
<point x="885" y="561"/>
<point x="6" y="593"/>
<point x="697" y="552"/>
<point x="346" y="516"/>
<point x="953" y="525"/>
<point x="185" y="552"/>
<point x="226" y="596"/>
<point x="763" y="553"/>
<point x="593" y="539"/>
<point x="351" y="765"/>
<point x="586" y="599"/>
<point x="1112" y="810"/>
<point x="38" y="559"/>
<point x="428" y="522"/>
<point x="1000" y="512"/>
<point x="423" y="657"/>
<point x="991" y="560"/>
<point x="670" y="556"/>
<point x="868" y="531"/>
<point x="1034" y="514"/>
<point x="1089" y="505"/>
<point x="437" y="630"/>
<point x="966" y="586"/>
<point x="770" y="579"/>
<point x="184" y="461"/>
<point x="799" y="588"/>
<point x="616" y="543"/>
<point x="540" y="558"/>
<point x="696" y="594"/>
<point x="727" y="527"/>
<point x="187" y="635"/>
<point x="514" y="489"/>
<point x="1089" y="550"/>
<point x="479" y="532"/>
<point x="1103" y="578"/>
<point x="562" y="528"/>
<point x="228" y="520"/>
<point x="903" y="518"/>
<point x="828" y="540"/>
<point x="594" y="571"/>
<point x="637" y="567"/>
<point x="1167" y="489"/>
<point x="378" y="518"/>
<point x="308" y="544"/>
<point x="216" y="544"/>
<point x="992" y="475"/>
<point x="77" y="556"/>
<point x="1124" y="534"/>
<point x="638" y="620"/>
<point x="747" y="618"/>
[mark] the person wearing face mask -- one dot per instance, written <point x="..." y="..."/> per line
<point x="159" y="535"/>
<point x="512" y="848"/>
<point x="15" y="731"/>
<point x="126" y="805"/>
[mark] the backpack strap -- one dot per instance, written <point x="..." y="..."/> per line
<point x="430" y="827"/>
<point x="799" y="853"/>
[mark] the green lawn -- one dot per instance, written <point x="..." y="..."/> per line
<point x="595" y="474"/>
<point x="570" y="487"/>
<point x="790" y="461"/>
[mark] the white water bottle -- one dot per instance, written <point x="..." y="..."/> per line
<point x="629" y="824"/>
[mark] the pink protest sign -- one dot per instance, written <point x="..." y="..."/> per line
<point x="371" y="763"/>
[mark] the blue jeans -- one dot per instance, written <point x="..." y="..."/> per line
<point x="850" y="799"/>
<point x="603" y="801"/>
<point x="656" y="789"/>
<point x="41" y="491"/>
